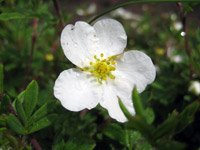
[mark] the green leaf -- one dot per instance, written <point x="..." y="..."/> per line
<point x="187" y="116"/>
<point x="41" y="112"/>
<point x="20" y="97"/>
<point x="143" y="145"/>
<point x="149" y="115"/>
<point x="2" y="121"/>
<point x="141" y="125"/>
<point x="188" y="7"/>
<point x="2" y="129"/>
<point x="15" y="125"/>
<point x="12" y="140"/>
<point x="4" y="105"/>
<point x="134" y="138"/>
<point x="123" y="136"/>
<point x="167" y="127"/>
<point x="137" y="103"/>
<point x="75" y="143"/>
<point x="165" y="144"/>
<point x="1" y="80"/>
<point x="115" y="132"/>
<point x="20" y="111"/>
<point x="12" y="15"/>
<point x="124" y="109"/>
<point x="30" y="98"/>
<point x="42" y="123"/>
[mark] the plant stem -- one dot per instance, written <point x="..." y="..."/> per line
<point x="135" y="2"/>
<point x="35" y="144"/>
<point x="57" y="7"/>
<point x="34" y="36"/>
<point x="33" y="42"/>
<point x="185" y="30"/>
<point x="184" y="23"/>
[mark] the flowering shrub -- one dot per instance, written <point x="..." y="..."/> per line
<point x="123" y="78"/>
<point x="105" y="71"/>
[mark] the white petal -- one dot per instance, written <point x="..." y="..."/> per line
<point x="110" y="101"/>
<point x="76" y="91"/>
<point x="112" y="36"/>
<point x="137" y="68"/>
<point x="79" y="43"/>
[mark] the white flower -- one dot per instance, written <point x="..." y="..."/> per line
<point x="177" y="58"/>
<point x="177" y="25"/>
<point x="103" y="71"/>
<point x="171" y="53"/>
<point x="195" y="87"/>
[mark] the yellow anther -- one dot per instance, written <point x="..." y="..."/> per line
<point x="111" y="76"/>
<point x="104" y="78"/>
<point x="101" y="68"/>
<point x="112" y="68"/>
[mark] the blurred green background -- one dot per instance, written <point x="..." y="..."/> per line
<point x="30" y="49"/>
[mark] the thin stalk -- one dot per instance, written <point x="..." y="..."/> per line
<point x="185" y="30"/>
<point x="35" y="144"/>
<point x="57" y="7"/>
<point x="33" y="42"/>
<point x="34" y="36"/>
<point x="136" y="2"/>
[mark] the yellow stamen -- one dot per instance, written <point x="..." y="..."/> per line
<point x="102" y="68"/>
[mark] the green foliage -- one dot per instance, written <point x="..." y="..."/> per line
<point x="5" y="102"/>
<point x="166" y="112"/>
<point x="160" y="136"/>
<point x="123" y="108"/>
<point x="41" y="112"/>
<point x="188" y="7"/>
<point x="116" y="132"/>
<point x="30" y="97"/>
<point x="167" y="127"/>
<point x="195" y="55"/>
<point x="20" y="109"/>
<point x="42" y="123"/>
<point x="15" y="125"/>
<point x="126" y="137"/>
<point x="74" y="144"/>
<point x="137" y="103"/>
<point x="149" y="115"/>
<point x="167" y="145"/>
<point x="25" y="122"/>
<point x="186" y="117"/>
<point x="131" y="2"/>
<point x="12" y="15"/>
<point x="1" y="79"/>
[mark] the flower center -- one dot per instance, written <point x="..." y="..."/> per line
<point x="102" y="68"/>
